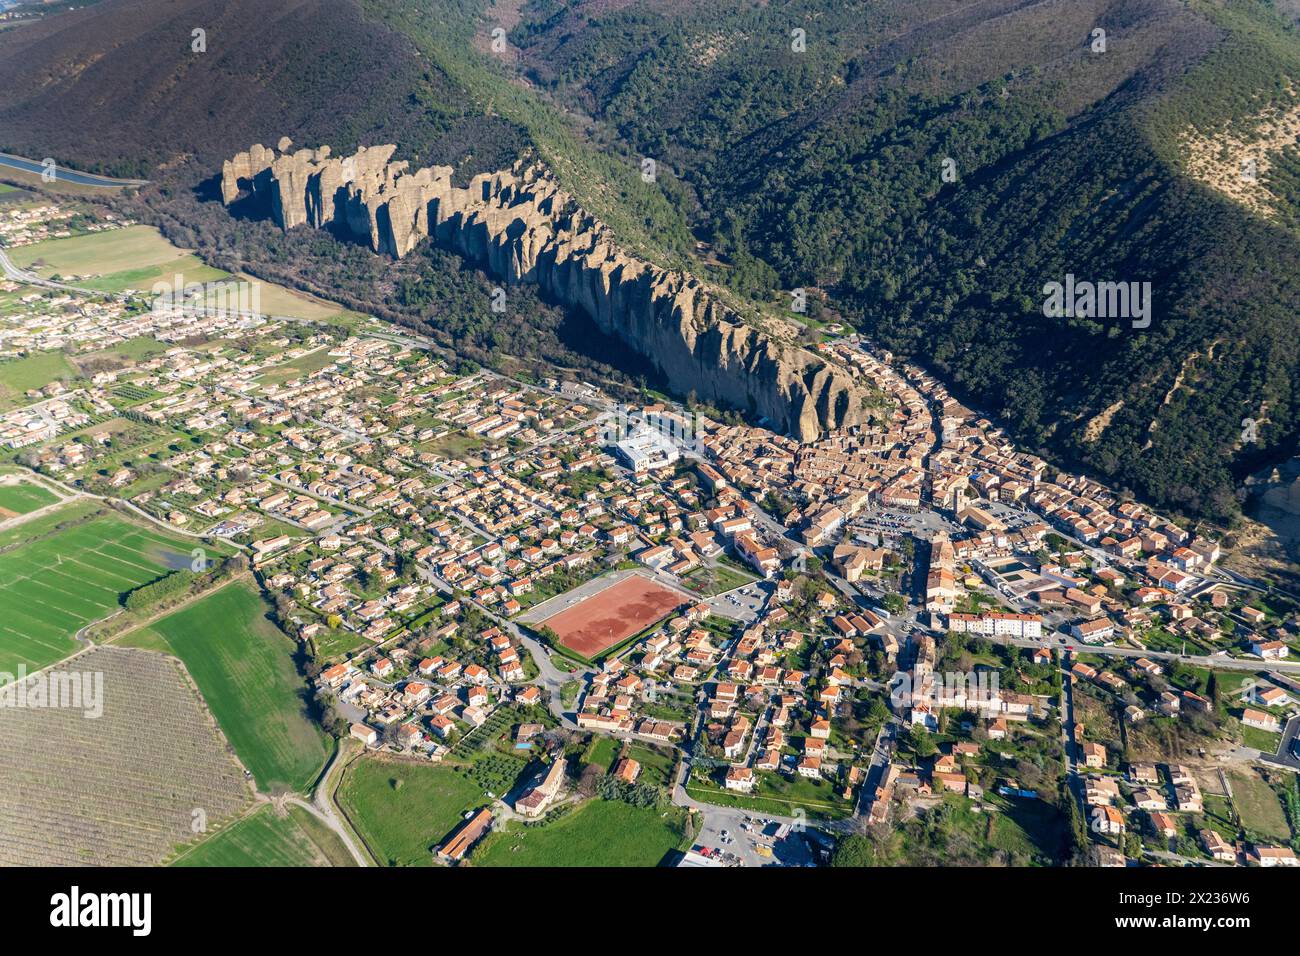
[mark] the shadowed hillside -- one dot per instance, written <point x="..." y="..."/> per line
<point x="117" y="87"/>
<point x="801" y="144"/>
<point x="823" y="168"/>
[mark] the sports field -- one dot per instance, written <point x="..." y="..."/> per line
<point x="267" y="838"/>
<point x="244" y="667"/>
<point x="59" y="581"/>
<point x="614" y="614"/>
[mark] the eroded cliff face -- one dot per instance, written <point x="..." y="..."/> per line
<point x="522" y="227"/>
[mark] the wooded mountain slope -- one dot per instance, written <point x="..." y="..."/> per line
<point x="824" y="169"/>
<point x="780" y="167"/>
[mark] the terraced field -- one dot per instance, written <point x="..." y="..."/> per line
<point x="269" y="838"/>
<point x="244" y="667"/>
<point x="120" y="789"/>
<point x="54" y="582"/>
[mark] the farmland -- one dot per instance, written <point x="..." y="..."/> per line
<point x="598" y="833"/>
<point x="67" y="569"/>
<point x="23" y="497"/>
<point x="99" y="253"/>
<point x="267" y="837"/>
<point x="402" y="809"/>
<point x="138" y="257"/>
<point x="243" y="665"/>
<point x="279" y="300"/>
<point x="120" y="789"/>
<point x="34" y="371"/>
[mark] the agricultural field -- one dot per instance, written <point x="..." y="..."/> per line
<point x="36" y="370"/>
<point x="244" y="667"/>
<point x="297" y="368"/>
<point x="129" y="352"/>
<point x="404" y="809"/>
<point x="23" y="497"/>
<point x="143" y="279"/>
<point x="279" y="300"/>
<point x="267" y="837"/>
<point x="598" y="833"/>
<point x="53" y="581"/>
<point x="98" y="253"/>
<point x="138" y="257"/>
<point x="119" y="790"/>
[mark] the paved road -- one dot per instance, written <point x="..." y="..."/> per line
<point x="1286" y="751"/>
<point x="1102" y="650"/>
<point x="550" y="678"/>
<point x="322" y="807"/>
<point x="65" y="175"/>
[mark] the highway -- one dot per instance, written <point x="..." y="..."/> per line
<point x="64" y="175"/>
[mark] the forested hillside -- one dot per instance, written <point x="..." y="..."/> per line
<point x="825" y="168"/>
<point x="927" y="166"/>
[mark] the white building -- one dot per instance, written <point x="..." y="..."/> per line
<point x="646" y="450"/>
<point x="997" y="624"/>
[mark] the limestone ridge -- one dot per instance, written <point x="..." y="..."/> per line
<point x="522" y="227"/>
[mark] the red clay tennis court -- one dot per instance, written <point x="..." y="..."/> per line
<point x="614" y="615"/>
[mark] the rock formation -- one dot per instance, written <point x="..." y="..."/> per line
<point x="522" y="227"/>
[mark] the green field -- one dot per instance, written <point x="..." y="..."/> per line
<point x="300" y="367"/>
<point x="598" y="833"/>
<point x="35" y="371"/>
<point x="24" y="497"/>
<point x="656" y="765"/>
<point x="717" y="579"/>
<point x="404" y="810"/>
<point x="132" y="350"/>
<point x="279" y="300"/>
<point x="144" y="278"/>
<point x="264" y="838"/>
<point x="137" y="257"/>
<point x="602" y="751"/>
<point x="55" y="583"/>
<point x="98" y="253"/>
<point x="244" y="667"/>
<point x="775" y="793"/>
<point x="1257" y="803"/>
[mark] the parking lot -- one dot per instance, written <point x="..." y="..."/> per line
<point x="750" y="839"/>
<point x="742" y="604"/>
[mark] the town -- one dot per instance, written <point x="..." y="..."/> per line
<point x="805" y="651"/>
